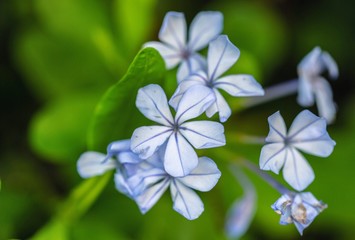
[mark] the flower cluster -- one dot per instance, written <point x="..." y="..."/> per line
<point x="164" y="155"/>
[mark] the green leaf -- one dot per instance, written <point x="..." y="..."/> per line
<point x="81" y="198"/>
<point x="58" y="131"/>
<point x="116" y="115"/>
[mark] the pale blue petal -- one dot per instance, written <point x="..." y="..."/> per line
<point x="119" y="146"/>
<point x="211" y="110"/>
<point x="204" y="28"/>
<point x="222" y="54"/>
<point x="196" y="79"/>
<point x="186" y="201"/>
<point x="180" y="158"/>
<point x="203" y="134"/>
<point x="240" y="215"/>
<point x="145" y="178"/>
<point x="305" y="96"/>
<point x="297" y="172"/>
<point x="272" y="157"/>
<point x="311" y="64"/>
<point x="171" y="56"/>
<point x="224" y="110"/>
<point x="151" y="195"/>
<point x="92" y="164"/>
<point x="128" y="157"/>
<point x="121" y="184"/>
<point x="322" y="146"/>
<point x="193" y="103"/>
<point x="330" y="65"/>
<point x="240" y="85"/>
<point x="204" y="177"/>
<point x="193" y="64"/>
<point x="277" y="127"/>
<point x="324" y="96"/>
<point x="173" y="30"/>
<point x="306" y="125"/>
<point x="146" y="140"/>
<point x="152" y="102"/>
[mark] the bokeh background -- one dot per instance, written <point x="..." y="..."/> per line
<point x="58" y="57"/>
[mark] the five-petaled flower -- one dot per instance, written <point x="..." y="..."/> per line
<point x="222" y="54"/>
<point x="313" y="87"/>
<point x="174" y="49"/>
<point x="180" y="158"/>
<point x="307" y="133"/>
<point x="300" y="209"/>
<point x="146" y="181"/>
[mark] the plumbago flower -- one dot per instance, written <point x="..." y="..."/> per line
<point x="313" y="87"/>
<point x="175" y="49"/>
<point x="146" y="181"/>
<point x="222" y="54"/>
<point x="180" y="158"/>
<point x="300" y="209"/>
<point x="307" y="133"/>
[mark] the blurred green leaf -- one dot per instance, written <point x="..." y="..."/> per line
<point x="134" y="21"/>
<point x="81" y="198"/>
<point x="58" y="131"/>
<point x="116" y="115"/>
<point x="56" y="67"/>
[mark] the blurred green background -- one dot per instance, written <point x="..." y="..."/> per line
<point x="57" y="59"/>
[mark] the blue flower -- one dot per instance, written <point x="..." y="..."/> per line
<point x="222" y="54"/>
<point x="175" y="49"/>
<point x="180" y="158"/>
<point x="313" y="87"/>
<point x="307" y="133"/>
<point x="300" y="209"/>
<point x="145" y="181"/>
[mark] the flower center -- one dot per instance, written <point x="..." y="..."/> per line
<point x="185" y="54"/>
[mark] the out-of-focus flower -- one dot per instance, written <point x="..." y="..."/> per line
<point x="300" y="209"/>
<point x="180" y="158"/>
<point x="313" y="87"/>
<point x="307" y="133"/>
<point x="175" y="48"/>
<point x="222" y="54"/>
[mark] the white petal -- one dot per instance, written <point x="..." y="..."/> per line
<point x="222" y="106"/>
<point x="330" y="65"/>
<point x="240" y="215"/>
<point x="240" y="85"/>
<point x="193" y="103"/>
<point x="277" y="127"/>
<point x="152" y="102"/>
<point x="196" y="79"/>
<point x="186" y="201"/>
<point x="180" y="158"/>
<point x="204" y="28"/>
<point x="222" y="54"/>
<point x="151" y="195"/>
<point x="92" y="164"/>
<point x="324" y="96"/>
<point x="297" y="172"/>
<point x="146" y="140"/>
<point x="128" y="157"/>
<point x="203" y="134"/>
<point x="204" y="177"/>
<point x="171" y="56"/>
<point x="307" y="127"/>
<point x="305" y="96"/>
<point x="145" y="178"/>
<point x="173" y="30"/>
<point x="272" y="157"/>
<point x="191" y="65"/>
